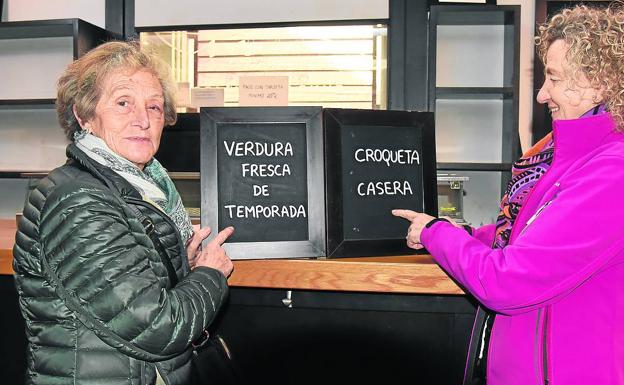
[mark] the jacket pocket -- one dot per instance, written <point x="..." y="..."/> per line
<point x="541" y="344"/>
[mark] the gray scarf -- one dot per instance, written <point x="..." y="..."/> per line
<point x="153" y="182"/>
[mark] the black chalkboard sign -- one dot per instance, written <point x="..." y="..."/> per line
<point x="376" y="161"/>
<point x="262" y="172"/>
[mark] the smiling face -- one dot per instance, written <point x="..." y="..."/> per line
<point x="129" y="116"/>
<point x="566" y="97"/>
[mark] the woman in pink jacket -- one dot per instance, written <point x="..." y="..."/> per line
<point x="551" y="269"/>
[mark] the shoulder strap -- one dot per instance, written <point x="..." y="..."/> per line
<point x="105" y="175"/>
<point x="150" y="229"/>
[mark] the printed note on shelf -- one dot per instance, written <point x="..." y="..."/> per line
<point x="263" y="91"/>
<point x="207" y="97"/>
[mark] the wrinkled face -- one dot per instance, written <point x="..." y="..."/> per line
<point x="129" y="116"/>
<point x="567" y="98"/>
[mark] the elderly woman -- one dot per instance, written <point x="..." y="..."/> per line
<point x="551" y="270"/>
<point x="111" y="279"/>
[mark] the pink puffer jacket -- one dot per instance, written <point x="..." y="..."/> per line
<point x="558" y="287"/>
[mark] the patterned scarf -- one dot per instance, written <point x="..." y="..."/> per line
<point x="153" y="182"/>
<point x="525" y="173"/>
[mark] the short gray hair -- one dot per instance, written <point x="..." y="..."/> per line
<point x="80" y="85"/>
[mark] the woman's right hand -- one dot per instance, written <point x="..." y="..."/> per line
<point x="214" y="256"/>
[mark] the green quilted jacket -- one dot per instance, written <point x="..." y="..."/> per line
<point x="94" y="289"/>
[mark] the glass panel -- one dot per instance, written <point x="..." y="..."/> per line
<point x="470" y="55"/>
<point x="481" y="193"/>
<point x="330" y="66"/>
<point x="469" y="130"/>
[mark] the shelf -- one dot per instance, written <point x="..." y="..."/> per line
<point x="475" y="15"/>
<point x="26" y="104"/>
<point x="182" y="175"/>
<point x="471" y="93"/>
<point x="504" y="167"/>
<point x="37" y="29"/>
<point x="22" y="174"/>
<point x="85" y="35"/>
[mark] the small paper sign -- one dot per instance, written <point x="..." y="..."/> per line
<point x="207" y="97"/>
<point x="263" y="91"/>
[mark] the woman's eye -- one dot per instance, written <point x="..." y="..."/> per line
<point x="123" y="103"/>
<point x="155" y="108"/>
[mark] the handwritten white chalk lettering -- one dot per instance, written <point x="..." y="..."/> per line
<point x="377" y="155"/>
<point x="261" y="190"/>
<point x="260" y="211"/>
<point x="248" y="148"/>
<point x="257" y="149"/>
<point x="385" y="188"/>
<point x="264" y="170"/>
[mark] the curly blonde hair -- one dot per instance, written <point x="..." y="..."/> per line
<point x="80" y="84"/>
<point x="595" y="38"/>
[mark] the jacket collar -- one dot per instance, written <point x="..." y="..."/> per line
<point x="577" y="137"/>
<point x="109" y="177"/>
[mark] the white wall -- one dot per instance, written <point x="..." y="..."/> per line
<point x="180" y="12"/>
<point x="92" y="11"/>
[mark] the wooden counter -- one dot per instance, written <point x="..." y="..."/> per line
<point x="402" y="274"/>
<point x="7" y="238"/>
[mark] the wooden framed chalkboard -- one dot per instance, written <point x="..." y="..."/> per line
<point x="262" y="172"/>
<point x="376" y="161"/>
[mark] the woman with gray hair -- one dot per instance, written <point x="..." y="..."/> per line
<point x="111" y="278"/>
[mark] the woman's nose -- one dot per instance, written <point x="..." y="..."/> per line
<point x="542" y="95"/>
<point x="142" y="119"/>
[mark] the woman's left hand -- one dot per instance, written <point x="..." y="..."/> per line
<point x="193" y="246"/>
<point x="418" y="222"/>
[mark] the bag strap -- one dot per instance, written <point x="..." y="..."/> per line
<point x="150" y="230"/>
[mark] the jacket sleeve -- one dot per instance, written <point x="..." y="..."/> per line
<point x="485" y="234"/>
<point x="101" y="263"/>
<point x="575" y="236"/>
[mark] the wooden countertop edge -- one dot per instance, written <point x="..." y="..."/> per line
<point x="6" y="262"/>
<point x="339" y="275"/>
